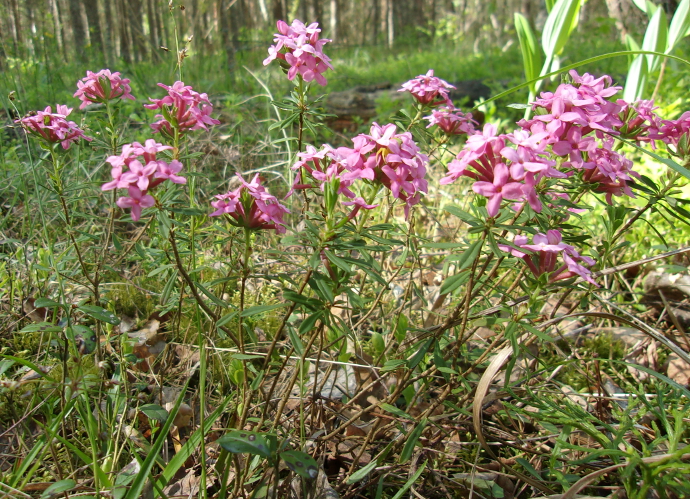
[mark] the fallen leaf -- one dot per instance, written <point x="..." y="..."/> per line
<point x="678" y="370"/>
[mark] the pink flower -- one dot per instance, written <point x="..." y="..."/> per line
<point x="137" y="167"/>
<point x="136" y="201"/>
<point x="428" y="89"/>
<point x="251" y="206"/>
<point x="451" y="120"/>
<point x="183" y="109"/>
<point x="53" y="127"/>
<point x="499" y="189"/>
<point x="541" y="256"/>
<point x="300" y="47"/>
<point x="102" y="87"/>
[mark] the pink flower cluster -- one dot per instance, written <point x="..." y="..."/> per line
<point x="541" y="256"/>
<point x="429" y="89"/>
<point x="384" y="156"/>
<point x="300" y="47"/>
<point x="53" y="127"/>
<point x="101" y="87"/>
<point x="251" y="206"/>
<point x="144" y="172"/>
<point x="183" y="110"/>
<point x="451" y="120"/>
<point x="571" y="134"/>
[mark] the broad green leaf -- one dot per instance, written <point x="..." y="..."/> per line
<point x="655" y="38"/>
<point x="632" y="45"/>
<point x="100" y="314"/>
<point x="637" y="79"/>
<point x="640" y="4"/>
<point x="531" y="52"/>
<point x="301" y="463"/>
<point x="411" y="441"/>
<point x="248" y="442"/>
<point x="58" y="488"/>
<point x="45" y="303"/>
<point x="558" y="26"/>
<point x="42" y="327"/>
<point x="154" y="411"/>
<point x="680" y="24"/>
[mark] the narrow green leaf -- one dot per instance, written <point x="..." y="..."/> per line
<point x="398" y="412"/>
<point x="558" y="27"/>
<point x="531" y="52"/>
<point x="308" y="323"/>
<point x="454" y="282"/>
<point x="411" y="441"/>
<point x="410" y="482"/>
<point x="419" y="355"/>
<point x="211" y="296"/>
<point x="260" y="309"/>
<point x="362" y="473"/>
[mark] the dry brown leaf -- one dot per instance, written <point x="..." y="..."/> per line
<point x="678" y="370"/>
<point x="187" y="487"/>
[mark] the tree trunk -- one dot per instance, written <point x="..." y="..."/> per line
<point x="95" y="29"/>
<point x="78" y="30"/>
<point x="154" y="30"/>
<point x="334" y="20"/>
<point x="390" y="21"/>
<point x="123" y="33"/>
<point x="135" y="15"/>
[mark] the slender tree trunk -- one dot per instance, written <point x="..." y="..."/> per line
<point x="16" y="24"/>
<point x="317" y="11"/>
<point x="95" y="29"/>
<point x="334" y="19"/>
<point x="123" y="33"/>
<point x="135" y="15"/>
<point x="154" y="32"/>
<point x="78" y="30"/>
<point x="390" y="17"/>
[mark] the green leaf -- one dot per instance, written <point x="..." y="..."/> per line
<point x="339" y="262"/>
<point x="211" y="296"/>
<point x="680" y="24"/>
<point x="398" y="412"/>
<point x="154" y="411"/>
<point x="41" y="327"/>
<point x="301" y="463"/>
<point x="454" y="282"/>
<point x="410" y="482"/>
<point x="245" y="356"/>
<point x="296" y="341"/>
<point x="260" y="309"/>
<point x="637" y="79"/>
<point x="531" y="52"/>
<point x="100" y="314"/>
<point x="308" y="323"/>
<point x="411" y="441"/>
<point x="363" y="472"/>
<point x="225" y="319"/>
<point x="393" y="364"/>
<point x="655" y="38"/>
<point x="59" y="488"/>
<point x="45" y="303"/>
<point x="417" y="357"/>
<point x="248" y="442"/>
<point x="559" y="24"/>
